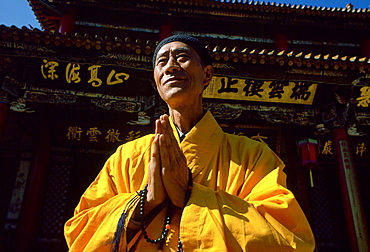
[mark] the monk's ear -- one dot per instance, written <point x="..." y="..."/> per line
<point x="208" y="70"/>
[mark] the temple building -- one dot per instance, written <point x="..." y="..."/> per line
<point x="295" y="77"/>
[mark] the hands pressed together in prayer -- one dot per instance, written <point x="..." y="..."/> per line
<point x="168" y="171"/>
<point x="168" y="174"/>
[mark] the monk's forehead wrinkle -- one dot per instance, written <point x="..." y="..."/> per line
<point x="178" y="50"/>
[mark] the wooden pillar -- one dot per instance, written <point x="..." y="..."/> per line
<point x="281" y="41"/>
<point x="29" y="221"/>
<point x="355" y="219"/>
<point x="165" y="29"/>
<point x="4" y="110"/>
<point x="365" y="47"/>
<point x="67" y="21"/>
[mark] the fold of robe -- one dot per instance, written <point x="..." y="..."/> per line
<point x="239" y="201"/>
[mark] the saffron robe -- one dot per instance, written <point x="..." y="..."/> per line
<point x="239" y="200"/>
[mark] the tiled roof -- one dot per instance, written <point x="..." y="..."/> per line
<point x="220" y="54"/>
<point x="48" y="13"/>
<point x="245" y="4"/>
<point x="39" y="9"/>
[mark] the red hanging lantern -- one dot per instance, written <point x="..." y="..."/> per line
<point x="308" y="150"/>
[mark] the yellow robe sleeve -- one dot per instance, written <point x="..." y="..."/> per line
<point x="95" y="218"/>
<point x="260" y="214"/>
<point x="224" y="222"/>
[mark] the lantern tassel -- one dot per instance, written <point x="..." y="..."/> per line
<point x="311" y="178"/>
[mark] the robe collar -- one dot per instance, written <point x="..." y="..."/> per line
<point x="202" y="141"/>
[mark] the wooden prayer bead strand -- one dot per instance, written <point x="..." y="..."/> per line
<point x="167" y="220"/>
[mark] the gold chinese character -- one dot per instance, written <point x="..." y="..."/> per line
<point x="74" y="133"/>
<point x="112" y="136"/>
<point x="96" y="82"/>
<point x="327" y="148"/>
<point x="259" y="138"/>
<point x="51" y="72"/>
<point x="72" y="73"/>
<point x="360" y="149"/>
<point x="133" y="135"/>
<point x="364" y="98"/>
<point x="117" y="77"/>
<point x="92" y="133"/>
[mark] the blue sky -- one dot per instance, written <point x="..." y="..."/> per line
<point x="19" y="12"/>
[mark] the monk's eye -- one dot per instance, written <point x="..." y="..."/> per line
<point x="182" y="57"/>
<point x="162" y="60"/>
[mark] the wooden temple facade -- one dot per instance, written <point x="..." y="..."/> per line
<point x="295" y="77"/>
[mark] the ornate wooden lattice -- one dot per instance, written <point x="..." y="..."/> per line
<point x="53" y="217"/>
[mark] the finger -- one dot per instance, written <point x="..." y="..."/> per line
<point x="166" y="125"/>
<point x="155" y="162"/>
<point x="164" y="154"/>
<point x="167" y="130"/>
<point x="155" y="149"/>
<point x="156" y="192"/>
<point x="158" y="126"/>
<point x="168" y="153"/>
<point x="175" y="153"/>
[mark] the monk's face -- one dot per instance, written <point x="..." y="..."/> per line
<point x="179" y="73"/>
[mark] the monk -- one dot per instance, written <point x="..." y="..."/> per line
<point x="190" y="186"/>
